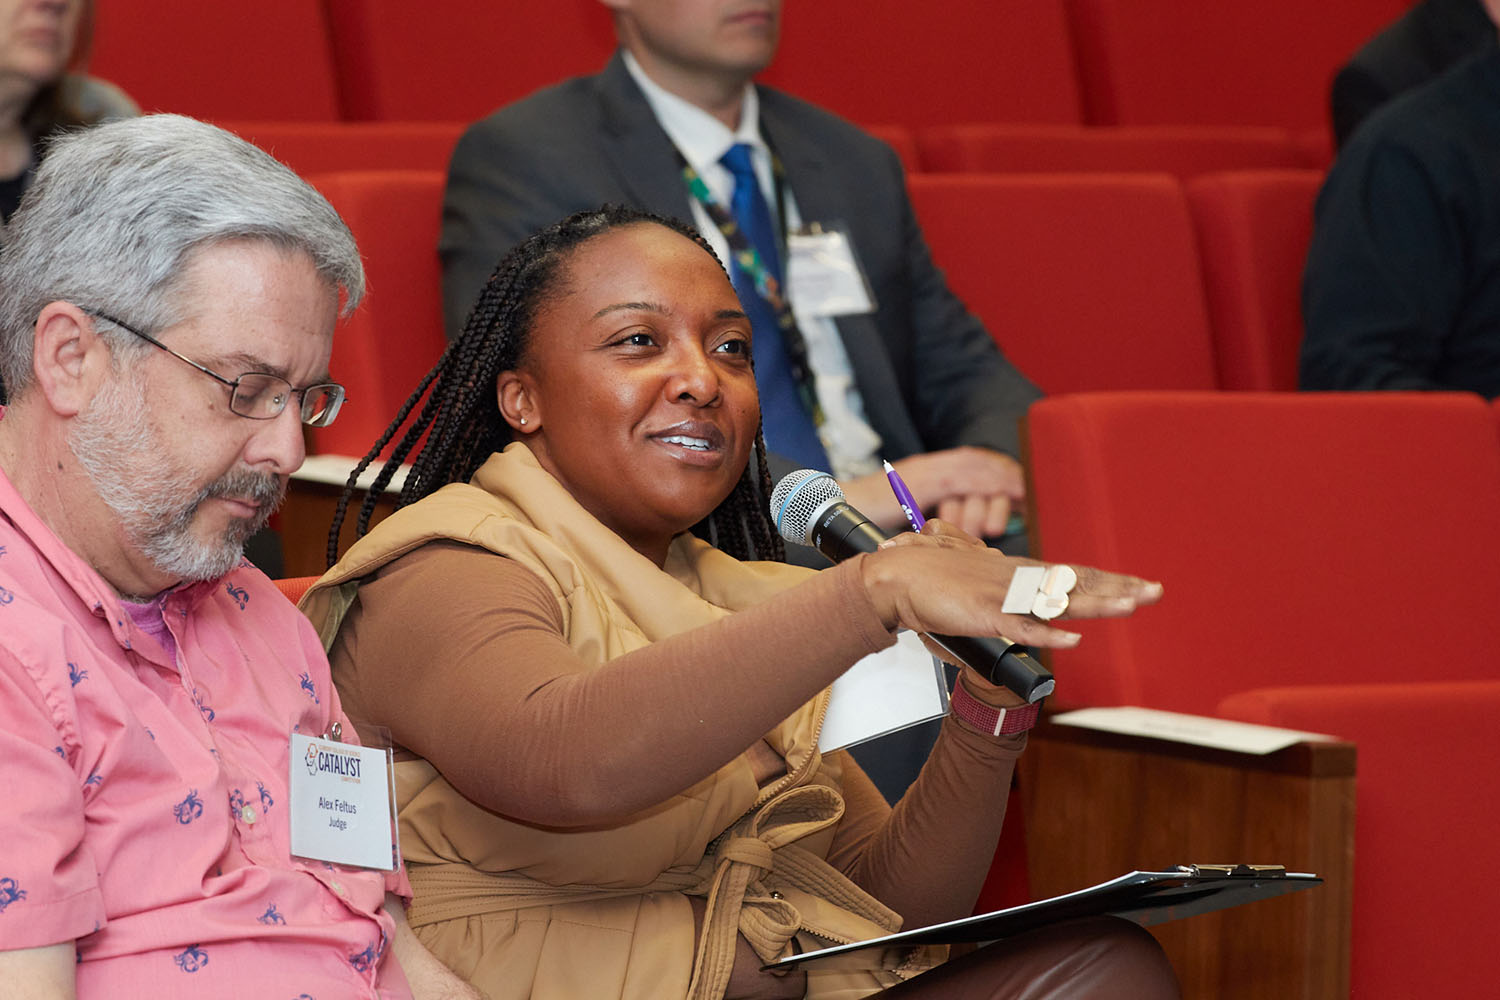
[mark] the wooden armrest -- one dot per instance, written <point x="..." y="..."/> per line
<point x="306" y="515"/>
<point x="1098" y="804"/>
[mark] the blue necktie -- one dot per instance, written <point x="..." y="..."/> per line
<point x="788" y="426"/>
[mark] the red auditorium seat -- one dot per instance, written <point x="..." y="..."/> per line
<point x="1151" y="62"/>
<point x="1253" y="231"/>
<point x="1182" y="150"/>
<point x="882" y="61"/>
<point x="902" y="140"/>
<point x="1086" y="281"/>
<point x="326" y="147"/>
<point x="1303" y="538"/>
<point x="1427" y="803"/>
<point x="403" y="60"/>
<point x="396" y="335"/>
<point x="295" y="586"/>
<point x="267" y="60"/>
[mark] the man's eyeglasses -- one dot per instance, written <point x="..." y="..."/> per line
<point x="258" y="395"/>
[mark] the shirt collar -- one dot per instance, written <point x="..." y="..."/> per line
<point x="700" y="137"/>
<point x="91" y="588"/>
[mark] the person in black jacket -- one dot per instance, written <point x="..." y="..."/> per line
<point x="1419" y="46"/>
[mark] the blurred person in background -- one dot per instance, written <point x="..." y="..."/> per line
<point x="43" y="44"/>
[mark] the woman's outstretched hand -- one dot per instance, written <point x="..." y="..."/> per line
<point x="944" y="580"/>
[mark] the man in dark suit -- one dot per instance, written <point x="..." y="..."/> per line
<point x="917" y="380"/>
<point x="1421" y="45"/>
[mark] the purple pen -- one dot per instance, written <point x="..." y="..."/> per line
<point x="904" y="498"/>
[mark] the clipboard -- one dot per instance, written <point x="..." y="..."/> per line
<point x="1146" y="898"/>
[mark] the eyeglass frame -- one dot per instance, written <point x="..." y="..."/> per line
<point x="339" y="396"/>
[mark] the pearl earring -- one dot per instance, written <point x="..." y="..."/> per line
<point x="523" y="421"/>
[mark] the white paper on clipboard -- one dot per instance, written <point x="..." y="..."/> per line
<point x="886" y="691"/>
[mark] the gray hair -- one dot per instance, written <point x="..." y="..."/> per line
<point x="116" y="212"/>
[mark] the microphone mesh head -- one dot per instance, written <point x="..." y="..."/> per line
<point x="797" y="498"/>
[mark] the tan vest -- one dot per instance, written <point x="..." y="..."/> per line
<point x="524" y="911"/>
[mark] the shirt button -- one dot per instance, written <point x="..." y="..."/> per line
<point x="248" y="814"/>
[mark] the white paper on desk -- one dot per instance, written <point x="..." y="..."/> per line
<point x="333" y="470"/>
<point x="1197" y="730"/>
<point x="886" y="691"/>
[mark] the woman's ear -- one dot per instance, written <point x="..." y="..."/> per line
<point x="517" y="400"/>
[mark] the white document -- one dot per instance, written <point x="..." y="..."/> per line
<point x="886" y="691"/>
<point x="1197" y="730"/>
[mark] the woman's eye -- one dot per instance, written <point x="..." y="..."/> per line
<point x="735" y="346"/>
<point x="638" y="339"/>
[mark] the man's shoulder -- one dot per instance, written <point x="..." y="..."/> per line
<point x="565" y="110"/>
<point x="1449" y="115"/>
<point x="817" y="124"/>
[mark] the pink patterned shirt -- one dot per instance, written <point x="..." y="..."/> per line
<point x="146" y="807"/>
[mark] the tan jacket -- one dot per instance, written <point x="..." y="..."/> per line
<point x="524" y="911"/>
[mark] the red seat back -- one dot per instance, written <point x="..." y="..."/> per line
<point x="396" y="335"/>
<point x="404" y="60"/>
<point x="1427" y="803"/>
<point x="1085" y="281"/>
<point x="883" y="62"/>
<point x="1253" y="230"/>
<point x="1302" y="538"/>
<point x="1182" y="150"/>
<point x="326" y="147"/>
<point x="1150" y="62"/>
<point x="295" y="586"/>
<point x="903" y="140"/>
<point x="267" y="60"/>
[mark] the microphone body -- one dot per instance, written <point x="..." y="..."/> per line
<point x="809" y="509"/>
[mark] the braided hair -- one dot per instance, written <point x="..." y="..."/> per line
<point x="461" y="417"/>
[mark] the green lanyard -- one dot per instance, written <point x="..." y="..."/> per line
<point x="748" y="259"/>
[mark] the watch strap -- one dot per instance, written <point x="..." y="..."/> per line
<point x="987" y="718"/>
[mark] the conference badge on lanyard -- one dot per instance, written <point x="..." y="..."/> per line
<point x="341" y="803"/>
<point x="823" y="275"/>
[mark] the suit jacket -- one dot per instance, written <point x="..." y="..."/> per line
<point x="1419" y="46"/>
<point x="928" y="372"/>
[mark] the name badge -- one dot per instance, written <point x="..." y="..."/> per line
<point x="823" y="276"/>
<point x="341" y="803"/>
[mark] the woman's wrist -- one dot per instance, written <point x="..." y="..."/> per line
<point x="883" y="585"/>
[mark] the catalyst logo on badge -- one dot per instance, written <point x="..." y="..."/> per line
<point x="345" y="765"/>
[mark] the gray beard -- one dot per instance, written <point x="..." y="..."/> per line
<point x="116" y="444"/>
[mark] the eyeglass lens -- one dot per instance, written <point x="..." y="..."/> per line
<point x="261" y="396"/>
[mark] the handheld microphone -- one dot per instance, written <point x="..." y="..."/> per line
<point x="809" y="509"/>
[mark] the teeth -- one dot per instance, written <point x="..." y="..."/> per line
<point x="697" y="444"/>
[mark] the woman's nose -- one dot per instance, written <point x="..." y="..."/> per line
<point x="694" y="378"/>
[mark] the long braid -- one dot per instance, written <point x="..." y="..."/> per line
<point x="462" y="421"/>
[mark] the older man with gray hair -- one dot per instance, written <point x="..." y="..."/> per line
<point x="168" y="295"/>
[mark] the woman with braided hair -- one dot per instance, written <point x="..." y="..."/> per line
<point x="605" y="689"/>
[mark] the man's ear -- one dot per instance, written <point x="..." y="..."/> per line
<point x="518" y="402"/>
<point x="69" y="360"/>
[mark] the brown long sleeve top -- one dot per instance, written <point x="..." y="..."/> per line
<point x="462" y="655"/>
